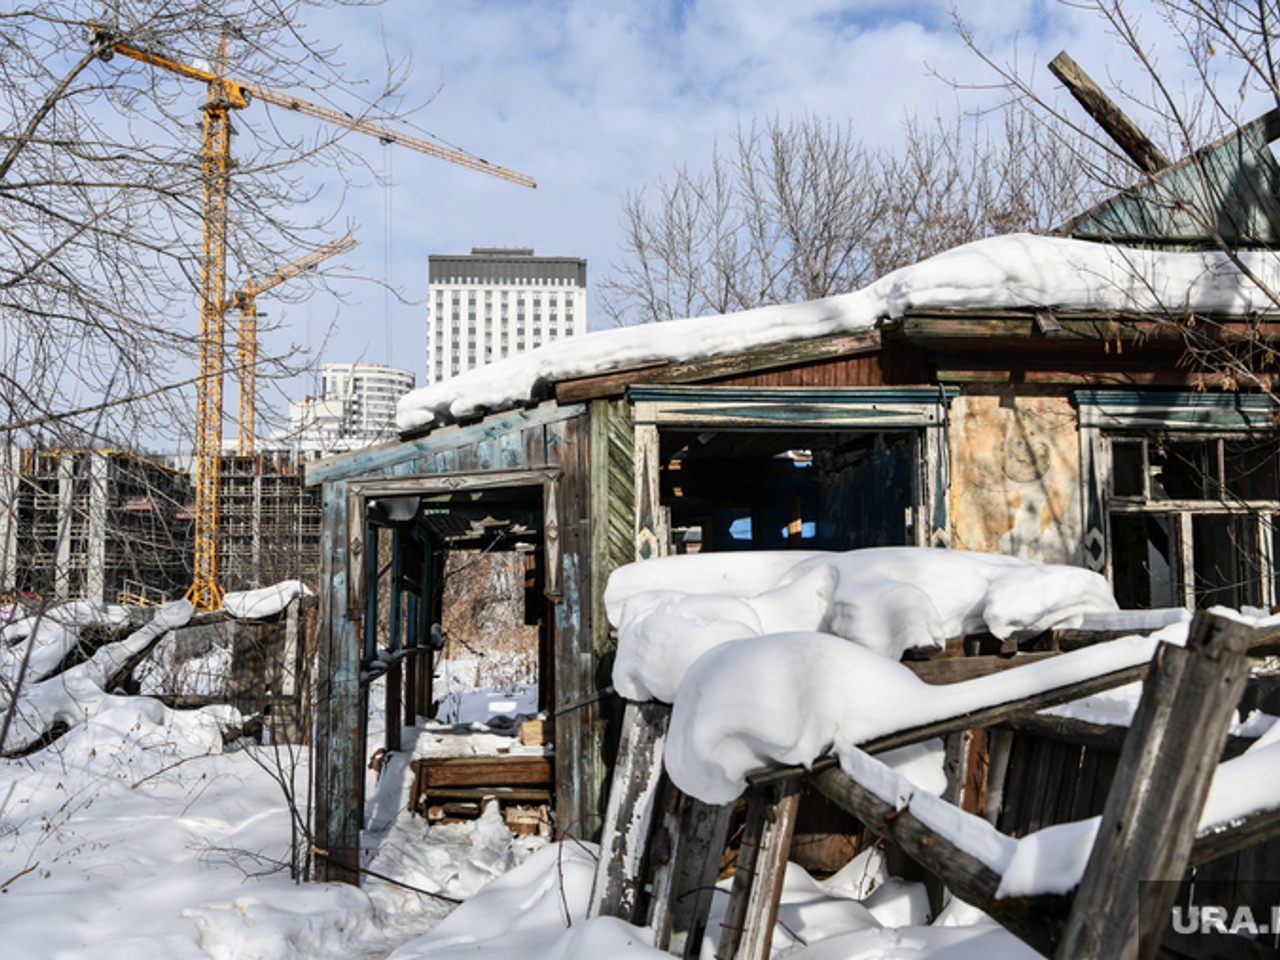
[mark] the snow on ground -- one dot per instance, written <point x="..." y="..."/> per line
<point x="1008" y="272"/>
<point x="140" y="834"/>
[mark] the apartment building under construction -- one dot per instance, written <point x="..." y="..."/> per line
<point x="269" y="528"/>
<point x="103" y="524"/>
<point x="119" y="527"/>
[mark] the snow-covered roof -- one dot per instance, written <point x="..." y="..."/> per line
<point x="1018" y="271"/>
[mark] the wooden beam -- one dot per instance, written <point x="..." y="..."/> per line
<point x="1110" y="117"/>
<point x="456" y="481"/>
<point x="637" y="774"/>
<point x="1255" y="829"/>
<point x="433" y="440"/>
<point x="944" y="670"/>
<point x="338" y="764"/>
<point x="983" y="717"/>
<point x="1032" y="920"/>
<point x="1162" y="780"/>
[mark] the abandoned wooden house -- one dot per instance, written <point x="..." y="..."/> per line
<point x="1135" y="443"/>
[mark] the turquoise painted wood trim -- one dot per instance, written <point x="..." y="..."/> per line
<point x="371" y="589"/>
<point x="798" y="412"/>
<point x="397" y="595"/>
<point x="1173" y="410"/>
<point x="784" y="395"/>
<point x="376" y="460"/>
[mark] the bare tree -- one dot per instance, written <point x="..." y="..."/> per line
<point x="800" y="209"/>
<point x="1198" y="105"/>
<point x="101" y="191"/>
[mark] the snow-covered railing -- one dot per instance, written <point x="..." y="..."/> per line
<point x="1154" y="809"/>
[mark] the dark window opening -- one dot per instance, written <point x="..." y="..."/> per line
<point x="778" y="490"/>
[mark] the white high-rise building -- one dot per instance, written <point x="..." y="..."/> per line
<point x="357" y="408"/>
<point x="499" y="301"/>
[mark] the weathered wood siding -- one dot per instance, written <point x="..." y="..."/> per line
<point x="338" y="751"/>
<point x="612" y="476"/>
<point x="893" y="365"/>
<point x="1016" y="476"/>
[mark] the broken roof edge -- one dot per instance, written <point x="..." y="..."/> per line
<point x="1011" y="272"/>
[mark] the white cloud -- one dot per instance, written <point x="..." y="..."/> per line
<point x="594" y="98"/>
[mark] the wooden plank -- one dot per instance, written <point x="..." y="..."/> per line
<point x="683" y="900"/>
<point x="612" y="505"/>
<point x="652" y="538"/>
<point x="1096" y="736"/>
<point x="1149" y="823"/>
<point x="637" y="773"/>
<point x="946" y="670"/>
<point x="553" y="562"/>
<point x="983" y="717"/>
<point x="454" y="481"/>
<point x="580" y="768"/>
<point x="512" y="794"/>
<point x="1254" y="829"/>
<point x="999" y="748"/>
<point x="482" y="771"/>
<point x="746" y="933"/>
<point x="357" y="545"/>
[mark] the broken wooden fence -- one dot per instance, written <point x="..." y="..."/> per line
<point x="1148" y="830"/>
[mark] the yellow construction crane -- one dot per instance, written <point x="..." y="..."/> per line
<point x="244" y="300"/>
<point x="224" y="95"/>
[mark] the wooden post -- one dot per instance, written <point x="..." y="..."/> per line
<point x="747" y="928"/>
<point x="1110" y="117"/>
<point x="1154" y="807"/>
<point x="338" y="762"/>
<point x="682" y="898"/>
<point x="391" y="704"/>
<point x="1000" y="745"/>
<point x="411" y="665"/>
<point x="636" y="776"/>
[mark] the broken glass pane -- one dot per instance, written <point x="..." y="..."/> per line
<point x="1184" y="470"/>
<point x="1143" y="559"/>
<point x="1227" y="565"/>
<point x="1250" y="469"/>
<point x="1127" y="467"/>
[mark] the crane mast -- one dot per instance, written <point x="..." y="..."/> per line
<point x="244" y="300"/>
<point x="223" y="96"/>
<point x="215" y="161"/>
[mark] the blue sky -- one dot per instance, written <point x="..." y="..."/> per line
<point x="598" y="97"/>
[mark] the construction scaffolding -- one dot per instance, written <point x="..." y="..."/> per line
<point x="270" y="527"/>
<point x="83" y="524"/>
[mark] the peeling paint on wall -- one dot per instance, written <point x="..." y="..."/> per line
<point x="1016" y="476"/>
